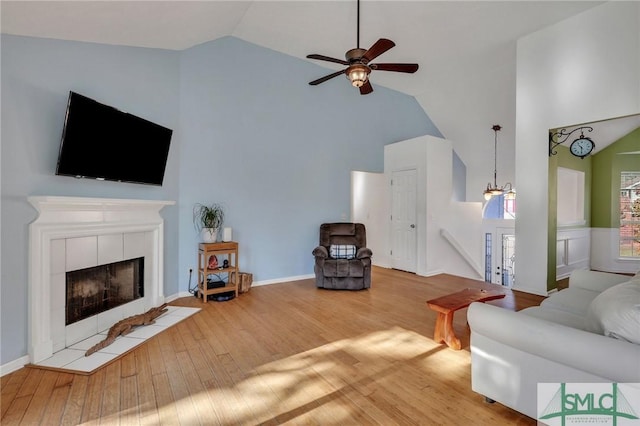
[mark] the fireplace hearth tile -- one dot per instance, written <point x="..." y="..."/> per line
<point x="168" y="320"/>
<point x="181" y="311"/>
<point x="88" y="364"/>
<point x="89" y="342"/>
<point x="122" y="345"/>
<point x="73" y="359"/>
<point x="148" y="331"/>
<point x="62" y="358"/>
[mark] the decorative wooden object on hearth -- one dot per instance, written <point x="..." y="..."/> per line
<point x="445" y="306"/>
<point x="126" y="325"/>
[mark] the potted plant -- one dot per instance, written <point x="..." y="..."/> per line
<point x="207" y="219"/>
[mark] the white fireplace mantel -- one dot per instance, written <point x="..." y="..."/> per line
<point x="71" y="217"/>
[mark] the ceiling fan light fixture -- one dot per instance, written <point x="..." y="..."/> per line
<point x="358" y="74"/>
<point x="357" y="62"/>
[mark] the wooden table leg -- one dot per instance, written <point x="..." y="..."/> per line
<point x="444" y="333"/>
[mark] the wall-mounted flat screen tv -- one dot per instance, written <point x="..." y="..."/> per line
<point x="102" y="142"/>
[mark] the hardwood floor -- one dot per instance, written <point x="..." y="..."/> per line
<point x="282" y="354"/>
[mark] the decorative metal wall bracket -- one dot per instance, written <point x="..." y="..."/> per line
<point x="557" y="138"/>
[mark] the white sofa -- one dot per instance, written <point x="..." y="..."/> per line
<point x="574" y="336"/>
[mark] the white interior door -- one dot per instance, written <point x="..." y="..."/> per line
<point x="403" y="220"/>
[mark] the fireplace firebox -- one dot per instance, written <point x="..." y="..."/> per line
<point x="91" y="291"/>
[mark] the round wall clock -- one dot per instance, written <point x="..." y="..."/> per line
<point x="582" y="147"/>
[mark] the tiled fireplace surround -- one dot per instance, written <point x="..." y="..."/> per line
<point x="72" y="233"/>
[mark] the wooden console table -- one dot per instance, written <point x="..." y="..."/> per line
<point x="205" y="251"/>
<point x="447" y="305"/>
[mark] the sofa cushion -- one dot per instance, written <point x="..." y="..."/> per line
<point x="595" y="280"/>
<point x="557" y="316"/>
<point x="616" y="312"/>
<point x="573" y="299"/>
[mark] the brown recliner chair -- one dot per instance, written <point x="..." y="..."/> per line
<point x="342" y="259"/>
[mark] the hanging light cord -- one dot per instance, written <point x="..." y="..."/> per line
<point x="495" y="190"/>
<point x="496" y="128"/>
<point x="358" y="28"/>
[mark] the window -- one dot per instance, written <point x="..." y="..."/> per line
<point x="487" y="257"/>
<point x="499" y="208"/>
<point x="630" y="214"/>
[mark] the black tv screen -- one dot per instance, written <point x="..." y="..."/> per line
<point x="102" y="142"/>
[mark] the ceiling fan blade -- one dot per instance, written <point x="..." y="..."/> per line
<point x="328" y="59"/>
<point x="408" y="68"/>
<point x="366" y="88"/>
<point x="378" y="48"/>
<point x="327" y="77"/>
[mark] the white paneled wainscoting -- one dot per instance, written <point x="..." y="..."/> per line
<point x="597" y="249"/>
<point x="573" y="251"/>
<point x="73" y="233"/>
<point x="605" y="252"/>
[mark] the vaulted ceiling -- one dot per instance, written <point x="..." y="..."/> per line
<point x="439" y="36"/>
<point x="466" y="49"/>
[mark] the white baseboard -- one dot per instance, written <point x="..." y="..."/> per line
<point x="14" y="365"/>
<point x="530" y="290"/>
<point x="431" y="273"/>
<point x="381" y="264"/>
<point x="179" y="295"/>
<point x="283" y="280"/>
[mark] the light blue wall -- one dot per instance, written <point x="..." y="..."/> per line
<point x="249" y="132"/>
<point x="37" y="75"/>
<point x="275" y="151"/>
<point x="459" y="179"/>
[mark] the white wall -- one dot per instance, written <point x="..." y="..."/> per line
<point x="464" y="222"/>
<point x="583" y="69"/>
<point x="406" y="155"/>
<point x="465" y="105"/>
<point x="370" y="206"/>
<point x="432" y="159"/>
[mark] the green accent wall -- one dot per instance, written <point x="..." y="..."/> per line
<point x="607" y="166"/>
<point x="602" y="187"/>
<point x="565" y="159"/>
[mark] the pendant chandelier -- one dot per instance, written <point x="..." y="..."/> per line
<point x="506" y="189"/>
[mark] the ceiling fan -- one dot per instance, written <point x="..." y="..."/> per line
<point x="358" y="63"/>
